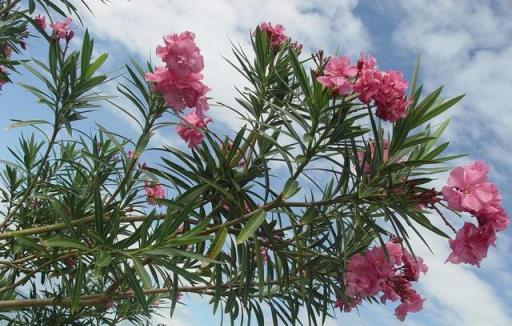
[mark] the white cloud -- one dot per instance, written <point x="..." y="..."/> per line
<point x="466" y="46"/>
<point x="457" y="294"/>
<point x="140" y="25"/>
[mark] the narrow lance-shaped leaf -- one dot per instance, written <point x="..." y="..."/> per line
<point x="217" y="244"/>
<point x="251" y="226"/>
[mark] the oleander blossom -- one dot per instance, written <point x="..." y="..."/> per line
<point x="337" y="74"/>
<point x="190" y="128"/>
<point x="471" y="244"/>
<point x="374" y="272"/>
<point x="275" y="33"/>
<point x="181" y="54"/>
<point x="390" y="99"/>
<point x="61" y="30"/>
<point x="180" y="81"/>
<point x="179" y="93"/>
<point x="385" y="88"/>
<point x="411" y="301"/>
<point x="469" y="190"/>
<point x="154" y="191"/>
<point x="40" y="22"/>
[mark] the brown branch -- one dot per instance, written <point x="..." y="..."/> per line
<point x="83" y="220"/>
<point x="131" y="219"/>
<point x="102" y="299"/>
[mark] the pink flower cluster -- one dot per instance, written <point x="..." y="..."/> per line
<point x="154" y="191"/>
<point x="371" y="273"/>
<point x="276" y="35"/>
<point x="191" y="128"/>
<point x="337" y="74"/>
<point x="365" y="163"/>
<point x="469" y="190"/>
<point x="385" y="88"/>
<point x="61" y="30"/>
<point x="180" y="83"/>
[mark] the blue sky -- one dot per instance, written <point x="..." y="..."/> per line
<point x="463" y="45"/>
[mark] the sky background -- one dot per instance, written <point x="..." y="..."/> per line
<point x="464" y="45"/>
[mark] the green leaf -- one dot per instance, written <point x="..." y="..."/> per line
<point x="19" y="124"/>
<point x="77" y="289"/>
<point x="291" y="187"/>
<point x="251" y="226"/>
<point x="66" y="243"/>
<point x="95" y="65"/>
<point x="103" y="259"/>
<point x="28" y="241"/>
<point x="143" y="274"/>
<point x="217" y="244"/>
<point x="310" y="215"/>
<point x="137" y="289"/>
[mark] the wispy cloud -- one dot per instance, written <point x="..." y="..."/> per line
<point x="139" y="26"/>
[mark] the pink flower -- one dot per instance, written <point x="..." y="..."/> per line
<point x="393" y="109"/>
<point x="61" y="29"/>
<point x="373" y="272"/>
<point x="411" y="302"/>
<point x="190" y="128"/>
<point x="369" y="79"/>
<point x="389" y="288"/>
<point x="494" y="216"/>
<point x="181" y="55"/>
<point x="390" y="101"/>
<point x="471" y="244"/>
<point x="180" y="93"/>
<point x="154" y="191"/>
<point x="382" y="266"/>
<point x="361" y="278"/>
<point x="366" y="63"/>
<point x="395" y="252"/>
<point x="275" y="33"/>
<point x="413" y="267"/>
<point x="336" y="75"/>
<point x="40" y="22"/>
<point x="180" y="80"/>
<point x="386" y="89"/>
<point x="468" y="189"/>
